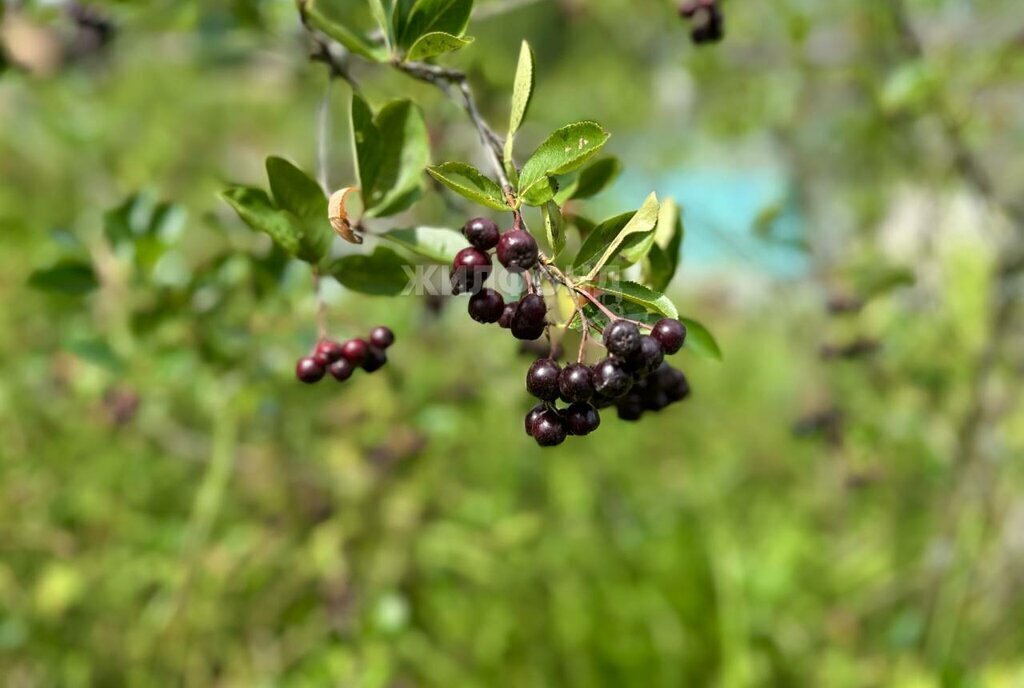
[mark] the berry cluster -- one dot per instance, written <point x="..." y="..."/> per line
<point x="517" y="251"/>
<point x="342" y="359"/>
<point x="706" y="20"/>
<point x="634" y="378"/>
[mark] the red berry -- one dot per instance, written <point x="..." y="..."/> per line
<point x="610" y="380"/>
<point x="517" y="250"/>
<point x="670" y="333"/>
<point x="308" y="370"/>
<point x="505" y="321"/>
<point x="341" y="369"/>
<point x="470" y="270"/>
<point x="533" y="416"/>
<point x="486" y="306"/>
<point x="622" y="338"/>
<point x="382" y="337"/>
<point x="354" y="351"/>
<point x="327" y="352"/>
<point x="482" y="233"/>
<point x="530" y="317"/>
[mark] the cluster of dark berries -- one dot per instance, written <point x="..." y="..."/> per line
<point x="517" y="251"/>
<point x="342" y="359"/>
<point x="634" y="378"/>
<point x="707" y="23"/>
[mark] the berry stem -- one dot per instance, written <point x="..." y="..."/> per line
<point x="321" y="307"/>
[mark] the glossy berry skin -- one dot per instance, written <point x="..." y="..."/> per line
<point x="671" y="334"/>
<point x="354" y="351"/>
<point x="530" y="317"/>
<point x="341" y="369"/>
<point x="575" y="383"/>
<point x="308" y="370"/>
<point x="482" y="233"/>
<point x="486" y="306"/>
<point x="517" y="250"/>
<point x="327" y="352"/>
<point x="509" y="312"/>
<point x="375" y="359"/>
<point x="549" y="429"/>
<point x="533" y="416"/>
<point x="382" y="337"/>
<point x="542" y="379"/>
<point x="630" y="408"/>
<point x="470" y="270"/>
<point x="647" y="360"/>
<point x="622" y="338"/>
<point x="610" y="380"/>
<point x="581" y="419"/>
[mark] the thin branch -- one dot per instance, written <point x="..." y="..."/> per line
<point x="323" y="133"/>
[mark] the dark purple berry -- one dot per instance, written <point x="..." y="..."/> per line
<point x="327" y="352"/>
<point x="482" y="233"/>
<point x="509" y="312"/>
<point x="631" y="407"/>
<point x="532" y="417"/>
<point x="622" y="338"/>
<point x="549" y="429"/>
<point x="341" y="369"/>
<point x="671" y="334"/>
<point x="530" y="317"/>
<point x="575" y="382"/>
<point x="354" y="351"/>
<point x="610" y="380"/>
<point x="542" y="379"/>
<point x="654" y="399"/>
<point x="677" y="387"/>
<point x="382" y="337"/>
<point x="517" y="250"/>
<point x="470" y="270"/>
<point x="581" y="419"/>
<point x="486" y="306"/>
<point x="309" y="370"/>
<point x="375" y="359"/>
<point x="648" y="358"/>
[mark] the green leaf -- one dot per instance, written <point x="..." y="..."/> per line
<point x="650" y="300"/>
<point x="539" y="192"/>
<point x="592" y="180"/>
<point x="70" y="277"/>
<point x="391" y="151"/>
<point x="562" y="152"/>
<point x="428" y="16"/>
<point x="645" y="220"/>
<point x="380" y="15"/>
<point x="876" y="278"/>
<point x="598" y="239"/>
<point x="522" y="93"/>
<point x="382" y="273"/>
<point x="554" y="226"/>
<point x="436" y="244"/>
<point x="468" y="182"/>
<point x="295" y="192"/>
<point x="663" y="259"/>
<point x="436" y="43"/>
<point x="700" y="340"/>
<point x="352" y="40"/>
<point x="258" y="211"/>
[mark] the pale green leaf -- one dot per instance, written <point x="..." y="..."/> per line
<point x="295" y="192"/>
<point x="436" y="43"/>
<point x="522" y="94"/>
<point x="436" y="244"/>
<point x="663" y="259"/>
<point x="468" y="182"/>
<point x="391" y="151"/>
<point x="592" y="179"/>
<point x="645" y="220"/>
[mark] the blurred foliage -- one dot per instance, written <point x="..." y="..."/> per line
<point x="176" y="510"/>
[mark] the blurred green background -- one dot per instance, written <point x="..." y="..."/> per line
<point x="841" y="502"/>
